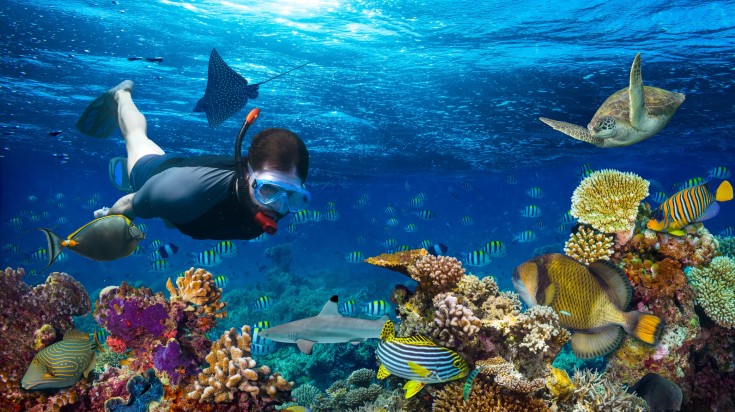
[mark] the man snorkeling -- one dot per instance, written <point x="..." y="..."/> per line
<point x="205" y="197"/>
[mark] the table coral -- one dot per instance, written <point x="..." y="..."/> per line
<point x="608" y="201"/>
<point x="399" y="261"/>
<point x="232" y="370"/>
<point x="587" y="246"/>
<point x="715" y="289"/>
<point x="26" y="314"/>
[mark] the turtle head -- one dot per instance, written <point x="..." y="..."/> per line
<point x="604" y="127"/>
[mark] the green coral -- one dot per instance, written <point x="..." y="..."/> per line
<point x="715" y="289"/>
<point x="107" y="358"/>
<point x="305" y="395"/>
<point x="726" y="246"/>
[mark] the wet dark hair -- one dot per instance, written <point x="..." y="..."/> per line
<point x="282" y="149"/>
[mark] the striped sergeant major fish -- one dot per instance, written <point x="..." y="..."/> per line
<point x="262" y="303"/>
<point x="208" y="258"/>
<point x="418" y="359"/>
<point x="62" y="364"/>
<point x="687" y="206"/>
<point x="348" y="308"/>
<point x="376" y="308"/>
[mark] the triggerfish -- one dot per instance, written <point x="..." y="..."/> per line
<point x="418" y="359"/>
<point x="107" y="238"/>
<point x="63" y="363"/>
<point x="687" y="206"/>
<point x="591" y="302"/>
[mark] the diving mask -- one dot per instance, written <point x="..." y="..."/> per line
<point x="279" y="191"/>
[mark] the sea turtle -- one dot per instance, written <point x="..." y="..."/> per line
<point x="630" y="115"/>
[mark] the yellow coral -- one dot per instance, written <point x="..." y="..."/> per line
<point x="399" y="261"/>
<point x="608" y="201"/>
<point x="587" y="246"/>
<point x="559" y="384"/>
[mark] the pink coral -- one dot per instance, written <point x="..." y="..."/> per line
<point x="436" y="274"/>
<point x="454" y="326"/>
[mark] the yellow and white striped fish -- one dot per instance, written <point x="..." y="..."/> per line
<point x="63" y="363"/>
<point x="687" y="206"/>
<point x="418" y="359"/>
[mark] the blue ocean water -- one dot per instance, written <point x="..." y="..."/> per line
<point x="400" y="98"/>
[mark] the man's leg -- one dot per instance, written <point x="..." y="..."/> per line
<point x="133" y="127"/>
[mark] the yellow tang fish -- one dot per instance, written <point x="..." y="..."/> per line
<point x="590" y="301"/>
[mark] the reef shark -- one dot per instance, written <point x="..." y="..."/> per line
<point x="326" y="327"/>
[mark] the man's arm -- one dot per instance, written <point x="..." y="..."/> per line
<point x="124" y="206"/>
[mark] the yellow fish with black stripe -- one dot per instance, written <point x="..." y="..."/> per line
<point x="63" y="363"/>
<point x="107" y="238"/>
<point x="418" y="359"/>
<point x="687" y="206"/>
<point x="591" y="302"/>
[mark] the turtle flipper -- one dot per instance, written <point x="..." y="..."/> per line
<point x="577" y="132"/>
<point x="636" y="96"/>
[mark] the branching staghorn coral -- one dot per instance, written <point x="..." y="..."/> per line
<point x="454" y="326"/>
<point x="436" y="274"/>
<point x="595" y="393"/>
<point x="588" y="246"/>
<point x="715" y="288"/>
<point x="232" y="370"/>
<point x="608" y="201"/>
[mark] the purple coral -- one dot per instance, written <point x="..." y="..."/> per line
<point x="128" y="319"/>
<point x="173" y="361"/>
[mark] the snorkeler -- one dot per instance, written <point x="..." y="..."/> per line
<point x="205" y="197"/>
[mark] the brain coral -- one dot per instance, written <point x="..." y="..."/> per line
<point x="715" y="289"/>
<point x="608" y="201"/>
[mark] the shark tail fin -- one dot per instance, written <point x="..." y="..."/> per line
<point x="389" y="331"/>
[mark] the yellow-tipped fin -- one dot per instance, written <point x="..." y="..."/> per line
<point x="644" y="326"/>
<point x="412" y="388"/>
<point x="382" y="372"/>
<point x="418" y="369"/>
<point x="724" y="192"/>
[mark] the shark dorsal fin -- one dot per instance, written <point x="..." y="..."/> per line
<point x="331" y="308"/>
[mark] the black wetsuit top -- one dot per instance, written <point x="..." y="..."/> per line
<point x="197" y="195"/>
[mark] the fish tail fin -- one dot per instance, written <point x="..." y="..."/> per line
<point x="644" y="326"/>
<point x="388" y="332"/>
<point x="724" y="192"/>
<point x="55" y="246"/>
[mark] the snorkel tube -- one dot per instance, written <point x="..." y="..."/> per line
<point x="267" y="223"/>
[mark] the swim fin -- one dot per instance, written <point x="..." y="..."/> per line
<point x="119" y="174"/>
<point x="100" y="117"/>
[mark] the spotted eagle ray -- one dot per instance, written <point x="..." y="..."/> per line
<point x="227" y="92"/>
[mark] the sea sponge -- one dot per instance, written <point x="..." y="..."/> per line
<point x="588" y="246"/>
<point x="715" y="289"/>
<point x="454" y="326"/>
<point x="608" y="201"/>
<point x="436" y="274"/>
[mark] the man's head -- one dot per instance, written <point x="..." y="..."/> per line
<point x="279" y="164"/>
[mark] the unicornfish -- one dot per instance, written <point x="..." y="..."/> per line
<point x="592" y="302"/>
<point x="62" y="364"/>
<point x="106" y="238"/>
<point x="418" y="359"/>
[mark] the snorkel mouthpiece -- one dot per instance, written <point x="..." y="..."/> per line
<point x="266" y="223"/>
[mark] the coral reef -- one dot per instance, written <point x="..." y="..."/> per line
<point x="608" y="201"/>
<point x="506" y="376"/>
<point x="359" y="388"/>
<point x="715" y="288"/>
<point x="232" y="370"/>
<point x="281" y="256"/>
<point x="726" y="246"/>
<point x="30" y="319"/>
<point x="596" y="393"/>
<point x="587" y="245"/>
<point x="486" y="396"/>
<point x="198" y="290"/>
